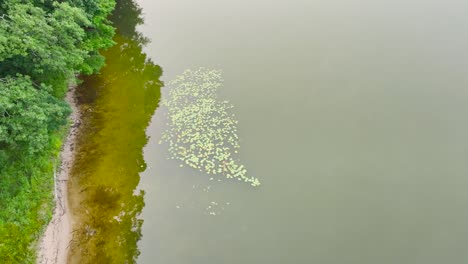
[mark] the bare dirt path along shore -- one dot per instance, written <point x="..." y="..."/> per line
<point x="53" y="247"/>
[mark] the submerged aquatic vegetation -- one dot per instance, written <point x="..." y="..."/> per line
<point x="201" y="132"/>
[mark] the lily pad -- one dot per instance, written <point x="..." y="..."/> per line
<point x="201" y="131"/>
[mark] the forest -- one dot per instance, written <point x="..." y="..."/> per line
<point x="45" y="46"/>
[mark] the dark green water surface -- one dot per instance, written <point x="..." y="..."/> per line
<point x="117" y="106"/>
<point x="353" y="115"/>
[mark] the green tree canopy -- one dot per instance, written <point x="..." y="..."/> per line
<point x="27" y="115"/>
<point x="51" y="42"/>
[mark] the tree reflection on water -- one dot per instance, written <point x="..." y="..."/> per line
<point x="117" y="106"/>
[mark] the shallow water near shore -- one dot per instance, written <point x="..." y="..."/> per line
<point x="116" y="107"/>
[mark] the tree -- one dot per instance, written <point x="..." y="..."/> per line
<point x="52" y="45"/>
<point x="28" y="115"/>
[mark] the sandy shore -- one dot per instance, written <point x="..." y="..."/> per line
<point x="53" y="247"/>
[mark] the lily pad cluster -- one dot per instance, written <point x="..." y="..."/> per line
<point x="201" y="131"/>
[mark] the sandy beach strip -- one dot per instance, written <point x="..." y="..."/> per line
<point x="54" y="245"/>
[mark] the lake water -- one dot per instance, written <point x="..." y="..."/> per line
<point x="353" y="115"/>
<point x="116" y="106"/>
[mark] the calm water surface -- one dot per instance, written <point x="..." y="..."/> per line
<point x="116" y="106"/>
<point x="353" y="114"/>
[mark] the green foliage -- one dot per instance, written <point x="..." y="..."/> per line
<point x="28" y="116"/>
<point x="99" y="35"/>
<point x="25" y="199"/>
<point x="51" y="42"/>
<point x="44" y="44"/>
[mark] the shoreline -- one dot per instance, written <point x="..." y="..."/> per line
<point x="54" y="244"/>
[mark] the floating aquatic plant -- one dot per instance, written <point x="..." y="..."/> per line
<point x="201" y="131"/>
